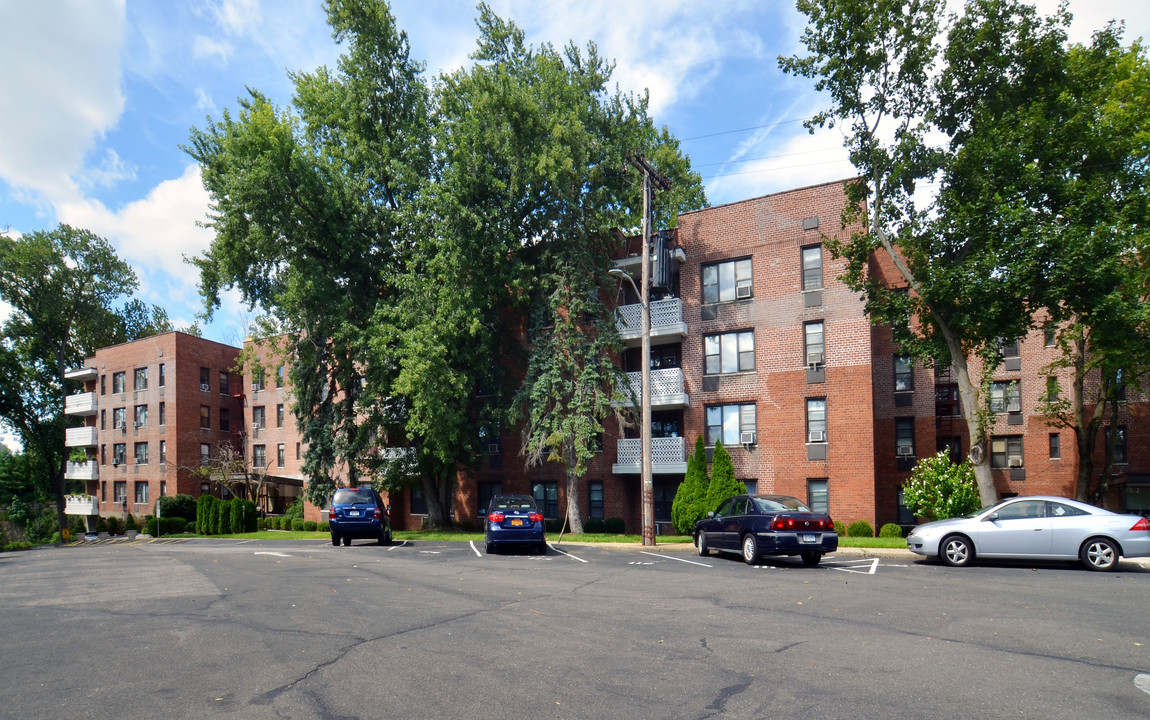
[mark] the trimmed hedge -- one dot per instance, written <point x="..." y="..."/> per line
<point x="840" y="528"/>
<point x="614" y="526"/>
<point x="297" y="524"/>
<point x="860" y="528"/>
<point x="323" y="527"/>
<point x="890" y="530"/>
<point x="174" y="525"/>
<point x="309" y="525"/>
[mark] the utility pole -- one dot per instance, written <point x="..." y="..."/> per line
<point x="648" y="483"/>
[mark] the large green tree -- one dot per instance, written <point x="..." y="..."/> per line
<point x="63" y="286"/>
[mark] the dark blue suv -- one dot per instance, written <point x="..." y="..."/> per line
<point x="358" y="513"/>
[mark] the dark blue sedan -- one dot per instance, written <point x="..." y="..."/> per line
<point x="514" y="520"/>
<point x="758" y="525"/>
<point x="358" y="513"/>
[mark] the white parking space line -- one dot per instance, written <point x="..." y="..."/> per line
<point x="859" y="568"/>
<point x="477" y="553"/>
<point x="672" y="557"/>
<point x="565" y="553"/>
<point x="276" y="554"/>
<point x="1142" y="682"/>
<point x="397" y="546"/>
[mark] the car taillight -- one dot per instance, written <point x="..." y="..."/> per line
<point x="495" y="517"/>
<point x="378" y="514"/>
<point x="829" y="524"/>
<point x="535" y="517"/>
<point x="781" y="523"/>
<point x="1142" y="524"/>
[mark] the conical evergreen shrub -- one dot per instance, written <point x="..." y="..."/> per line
<point x="691" y="498"/>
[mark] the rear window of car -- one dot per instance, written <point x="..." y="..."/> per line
<point x="512" y="504"/>
<point x="780" y="503"/>
<point x="351" y="496"/>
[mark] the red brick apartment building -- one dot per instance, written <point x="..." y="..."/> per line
<point x="755" y="342"/>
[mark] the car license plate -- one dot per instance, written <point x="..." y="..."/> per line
<point x="809" y="538"/>
<point x="353" y="513"/>
<point x="516" y="522"/>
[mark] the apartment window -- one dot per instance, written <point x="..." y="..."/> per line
<point x="813" y="267"/>
<point x="729" y="352"/>
<point x="141" y="493"/>
<point x="297" y="451"/>
<point x="140" y="453"/>
<point x="119" y="454"/>
<point x="225" y="420"/>
<point x="664" y="493"/>
<point x="1055" y="446"/>
<point x="418" y="501"/>
<point x="727" y="423"/>
<point x="279" y="376"/>
<point x="817" y="495"/>
<point x="103" y="454"/>
<point x="205" y="417"/>
<point x="140" y="379"/>
<point x="547" y="498"/>
<point x="141" y="418"/>
<point x="118" y="382"/>
<point x="1006" y="452"/>
<point x="119" y="418"/>
<point x="259" y="456"/>
<point x="104" y="491"/>
<point x="488" y="490"/>
<point x="814" y="342"/>
<point x="163" y="415"/>
<point x="120" y="491"/>
<point x="904" y="437"/>
<point x="1119" y="456"/>
<point x="225" y="383"/>
<point x="280" y="455"/>
<point x="905" y="514"/>
<point x="1049" y="333"/>
<point x="751" y="487"/>
<point x="163" y="458"/>
<point x="258" y="418"/>
<point x="903" y="374"/>
<point x="727" y="281"/>
<point x="258" y="381"/>
<point x="205" y="453"/>
<point x="103" y="417"/>
<point x="1005" y="397"/>
<point x="103" y="386"/>
<point x="946" y="402"/>
<point x="1119" y="385"/>
<point x="595" y="500"/>
<point x="1053" y="392"/>
<point x="953" y="446"/>
<point x="163" y="488"/>
<point x="205" y="379"/>
<point x="816" y="420"/>
<point x="280" y="415"/>
<point x="160" y="379"/>
<point x="1009" y="348"/>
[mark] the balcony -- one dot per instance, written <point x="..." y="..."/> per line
<point x="82" y="471"/>
<point x="80" y="436"/>
<point x="666" y="389"/>
<point x="81" y="373"/>
<point x="667" y="324"/>
<point x="80" y="404"/>
<point x="668" y="456"/>
<point x="81" y="505"/>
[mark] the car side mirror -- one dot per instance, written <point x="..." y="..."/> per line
<point x="991" y="517"/>
<point x="711" y="513"/>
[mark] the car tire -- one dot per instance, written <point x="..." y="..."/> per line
<point x="956" y="551"/>
<point x="346" y="541"/>
<point x="335" y="539"/>
<point x="750" y="549"/>
<point x="1099" y="554"/>
<point x="810" y="559"/>
<point x="384" y="539"/>
<point x="701" y="544"/>
<point x="489" y="548"/>
<point x="542" y="548"/>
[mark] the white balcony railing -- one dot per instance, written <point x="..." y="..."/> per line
<point x="81" y="373"/>
<point x="81" y="505"/>
<point x="666" y="321"/>
<point x="668" y="456"/>
<point x="80" y="404"/>
<point x="80" y="436"/>
<point x="82" y="471"/>
<point x="666" y="388"/>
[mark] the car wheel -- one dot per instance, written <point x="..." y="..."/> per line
<point x="346" y="541"/>
<point x="334" y="539"/>
<point x="810" y="559"/>
<point x="383" y="539"/>
<point x="701" y="544"/>
<point x="956" y="551"/>
<point x="388" y="536"/>
<point x="750" y="549"/>
<point x="1099" y="554"/>
<point x="489" y="548"/>
<point x="543" y="548"/>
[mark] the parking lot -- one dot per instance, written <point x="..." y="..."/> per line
<point x="218" y="628"/>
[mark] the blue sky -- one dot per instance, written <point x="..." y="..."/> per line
<point x="100" y="94"/>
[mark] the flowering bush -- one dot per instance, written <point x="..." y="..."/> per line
<point x="939" y="489"/>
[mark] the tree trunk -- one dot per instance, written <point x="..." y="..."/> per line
<point x="437" y="492"/>
<point x="574" y="515"/>
<point x="1085" y="428"/>
<point x="58" y="485"/>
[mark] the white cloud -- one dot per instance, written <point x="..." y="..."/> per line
<point x="205" y="47"/>
<point x="204" y="101"/>
<point x="111" y="170"/>
<point x="238" y="16"/>
<point x="67" y="85"/>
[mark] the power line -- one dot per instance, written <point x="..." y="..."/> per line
<point x="770" y="169"/>
<point x="746" y="129"/>
<point x="765" y="157"/>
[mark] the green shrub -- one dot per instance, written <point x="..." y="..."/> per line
<point x="114" y="525"/>
<point x="295" y="510"/>
<point x="723" y="482"/>
<point x="174" y="525"/>
<point x="56" y="539"/>
<point x="251" y="515"/>
<point x="261" y="524"/>
<point x="14" y="546"/>
<point x="323" y="527"/>
<point x="216" y="522"/>
<point x="102" y="524"/>
<point x="41" y="527"/>
<point x="180" y="505"/>
<point x="890" y="530"/>
<point x="309" y="525"/>
<point x="190" y="528"/>
<point x="614" y="526"/>
<point x="297" y="524"/>
<point x="939" y="489"/>
<point x="130" y="524"/>
<point x="77" y="525"/>
<point x="840" y="528"/>
<point x="203" y="513"/>
<point x="690" y="501"/>
<point x="860" y="528"/>
<point x="594" y="526"/>
<point x="235" y="516"/>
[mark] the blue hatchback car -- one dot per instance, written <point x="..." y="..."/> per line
<point x="514" y="520"/>
<point x="358" y="513"/>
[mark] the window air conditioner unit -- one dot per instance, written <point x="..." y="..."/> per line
<point x="742" y="291"/>
<point x="138" y="424"/>
<point x="124" y="429"/>
<point x="255" y="387"/>
<point x="204" y="387"/>
<point x="493" y="448"/>
<point x="815" y="358"/>
<point x="905" y="451"/>
<point x="1015" y="462"/>
<point x="747" y="437"/>
<point x="816" y="436"/>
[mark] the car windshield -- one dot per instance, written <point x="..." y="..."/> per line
<point x="512" y="504"/>
<point x="353" y="496"/>
<point x="780" y="503"/>
<point x="983" y="509"/>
